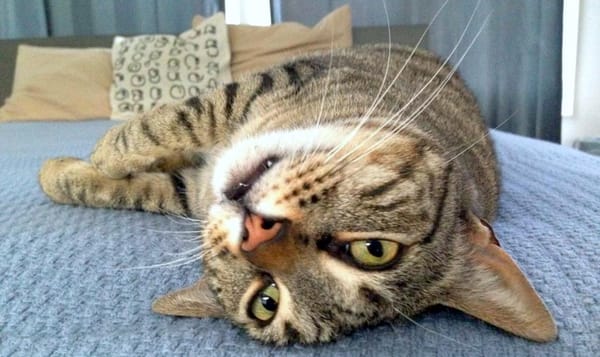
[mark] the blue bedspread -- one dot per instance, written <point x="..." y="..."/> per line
<point x="72" y="282"/>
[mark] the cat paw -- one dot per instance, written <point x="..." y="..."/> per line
<point x="58" y="177"/>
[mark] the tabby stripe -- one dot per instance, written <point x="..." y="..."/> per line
<point x="230" y="95"/>
<point x="194" y="103"/>
<point x="392" y="206"/>
<point x="212" y="121"/>
<point x="120" y="198"/>
<point x="146" y="131"/>
<point x="440" y="209"/>
<point x="180" y="189"/>
<point x="138" y="203"/>
<point x="291" y="332"/>
<point x="67" y="188"/>
<point x="317" y="325"/>
<point x="124" y="140"/>
<point x="266" y="84"/>
<point x="82" y="196"/>
<point x="381" y="189"/>
<point x="117" y="137"/>
<point x="184" y="119"/>
<point x="293" y="76"/>
<point x="372" y="296"/>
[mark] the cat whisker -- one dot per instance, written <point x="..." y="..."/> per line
<point x="185" y="236"/>
<point x="481" y="138"/>
<point x="194" y="250"/>
<point x="181" y="219"/>
<point x="342" y="161"/>
<point x="323" y="98"/>
<point x="396" y="116"/>
<point x="445" y="81"/>
<point x="425" y="103"/>
<point x="172" y="264"/>
<point x="171" y="232"/>
<point x="411" y="320"/>
<point x="379" y="97"/>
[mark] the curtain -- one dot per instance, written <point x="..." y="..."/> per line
<point x="41" y="18"/>
<point x="514" y="67"/>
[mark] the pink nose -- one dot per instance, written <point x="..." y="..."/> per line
<point x="259" y="230"/>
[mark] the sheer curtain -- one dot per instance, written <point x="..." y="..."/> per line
<point x="40" y="18"/>
<point x="513" y="67"/>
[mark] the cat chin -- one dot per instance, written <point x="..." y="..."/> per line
<point x="245" y="155"/>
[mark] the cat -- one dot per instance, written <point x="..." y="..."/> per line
<point x="338" y="190"/>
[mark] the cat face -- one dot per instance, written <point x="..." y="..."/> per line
<point x="343" y="230"/>
<point x="315" y="232"/>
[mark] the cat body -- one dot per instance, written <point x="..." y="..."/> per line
<point x="338" y="190"/>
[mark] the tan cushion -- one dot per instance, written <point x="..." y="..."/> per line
<point x="255" y="47"/>
<point x="154" y="69"/>
<point x="59" y="83"/>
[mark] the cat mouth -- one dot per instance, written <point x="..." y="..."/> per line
<point x="240" y="187"/>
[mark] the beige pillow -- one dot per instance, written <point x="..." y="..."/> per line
<point x="255" y="47"/>
<point x="156" y="69"/>
<point x="59" y="83"/>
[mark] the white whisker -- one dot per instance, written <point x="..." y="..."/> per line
<point x="426" y="102"/>
<point x="431" y="330"/>
<point x="193" y="251"/>
<point x="367" y="115"/>
<point x="171" y="232"/>
<point x="481" y="138"/>
<point x="172" y="264"/>
<point x="323" y="98"/>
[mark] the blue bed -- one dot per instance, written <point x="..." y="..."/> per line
<point x="72" y="282"/>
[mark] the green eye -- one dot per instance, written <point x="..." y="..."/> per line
<point x="373" y="253"/>
<point x="264" y="305"/>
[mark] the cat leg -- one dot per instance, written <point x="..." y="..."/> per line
<point x="164" y="139"/>
<point x="74" y="181"/>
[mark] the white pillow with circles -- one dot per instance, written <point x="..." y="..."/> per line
<point x="156" y="69"/>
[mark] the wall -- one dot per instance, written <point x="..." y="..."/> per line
<point x="585" y="118"/>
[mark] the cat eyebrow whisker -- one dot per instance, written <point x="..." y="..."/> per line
<point x="430" y="99"/>
<point x="395" y="117"/>
<point x="378" y="97"/>
<point x="481" y="138"/>
<point x="436" y="333"/>
<point x="322" y="105"/>
<point x="447" y="59"/>
<point x="367" y="115"/>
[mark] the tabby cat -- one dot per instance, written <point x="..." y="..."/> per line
<point x="338" y="190"/>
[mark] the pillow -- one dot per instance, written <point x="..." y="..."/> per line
<point x="59" y="83"/>
<point x="155" y="69"/>
<point x="254" y="47"/>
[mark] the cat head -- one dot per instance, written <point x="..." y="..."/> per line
<point x="315" y="232"/>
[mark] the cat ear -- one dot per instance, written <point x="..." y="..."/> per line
<point x="494" y="289"/>
<point x="194" y="301"/>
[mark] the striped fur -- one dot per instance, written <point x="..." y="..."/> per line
<point x="333" y="176"/>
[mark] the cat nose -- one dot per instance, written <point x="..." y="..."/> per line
<point x="259" y="230"/>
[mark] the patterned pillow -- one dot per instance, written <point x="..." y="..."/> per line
<point x="255" y="48"/>
<point x="155" y="69"/>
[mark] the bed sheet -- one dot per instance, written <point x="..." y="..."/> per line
<point x="74" y="282"/>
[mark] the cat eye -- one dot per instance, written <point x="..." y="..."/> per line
<point x="373" y="253"/>
<point x="264" y="305"/>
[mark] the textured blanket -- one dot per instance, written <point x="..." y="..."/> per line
<point x="76" y="281"/>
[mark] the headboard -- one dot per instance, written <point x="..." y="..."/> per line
<point x="408" y="35"/>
